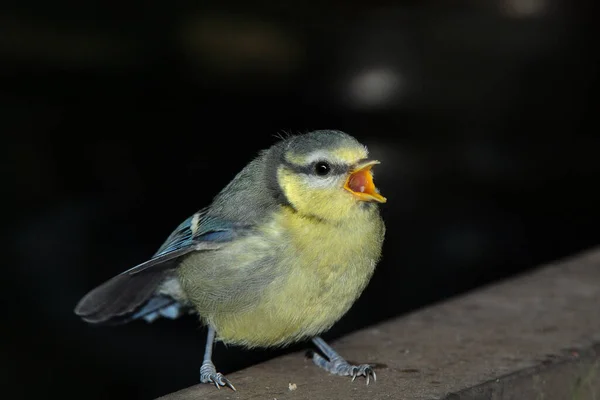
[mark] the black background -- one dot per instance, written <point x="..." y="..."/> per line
<point x="119" y="121"/>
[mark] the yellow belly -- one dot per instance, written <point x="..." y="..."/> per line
<point x="326" y="267"/>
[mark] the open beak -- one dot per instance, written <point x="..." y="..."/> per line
<point x="360" y="183"/>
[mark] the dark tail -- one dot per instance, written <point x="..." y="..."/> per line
<point x="121" y="298"/>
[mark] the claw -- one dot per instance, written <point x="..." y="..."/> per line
<point x="341" y="367"/>
<point x="229" y="384"/>
<point x="218" y="380"/>
<point x="208" y="374"/>
<point x="337" y="365"/>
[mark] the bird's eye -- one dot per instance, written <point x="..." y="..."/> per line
<point x="322" y="168"/>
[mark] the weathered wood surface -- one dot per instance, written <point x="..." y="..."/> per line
<point x="535" y="336"/>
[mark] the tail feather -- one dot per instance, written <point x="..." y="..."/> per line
<point x="118" y="298"/>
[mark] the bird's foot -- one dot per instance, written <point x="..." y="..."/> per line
<point x="339" y="366"/>
<point x="209" y="374"/>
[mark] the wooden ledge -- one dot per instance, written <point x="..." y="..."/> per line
<point x="535" y="336"/>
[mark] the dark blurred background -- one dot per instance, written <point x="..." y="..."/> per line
<point x="119" y="121"/>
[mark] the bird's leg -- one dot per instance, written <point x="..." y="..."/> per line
<point x="208" y="372"/>
<point x="337" y="365"/>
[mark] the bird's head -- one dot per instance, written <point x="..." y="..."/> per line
<point x="326" y="174"/>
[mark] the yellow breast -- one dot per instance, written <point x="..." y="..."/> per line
<point x="324" y="266"/>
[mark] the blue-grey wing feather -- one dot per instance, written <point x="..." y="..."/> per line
<point x="133" y="293"/>
<point x="198" y="232"/>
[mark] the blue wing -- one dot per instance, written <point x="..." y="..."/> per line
<point x="199" y="228"/>
<point x="198" y="232"/>
<point x="133" y="294"/>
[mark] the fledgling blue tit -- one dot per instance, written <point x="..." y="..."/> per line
<point x="280" y="255"/>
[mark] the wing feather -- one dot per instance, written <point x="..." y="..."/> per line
<point x="117" y="299"/>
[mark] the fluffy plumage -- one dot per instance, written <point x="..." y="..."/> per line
<point x="280" y="255"/>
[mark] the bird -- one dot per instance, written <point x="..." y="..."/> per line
<point x="279" y="256"/>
